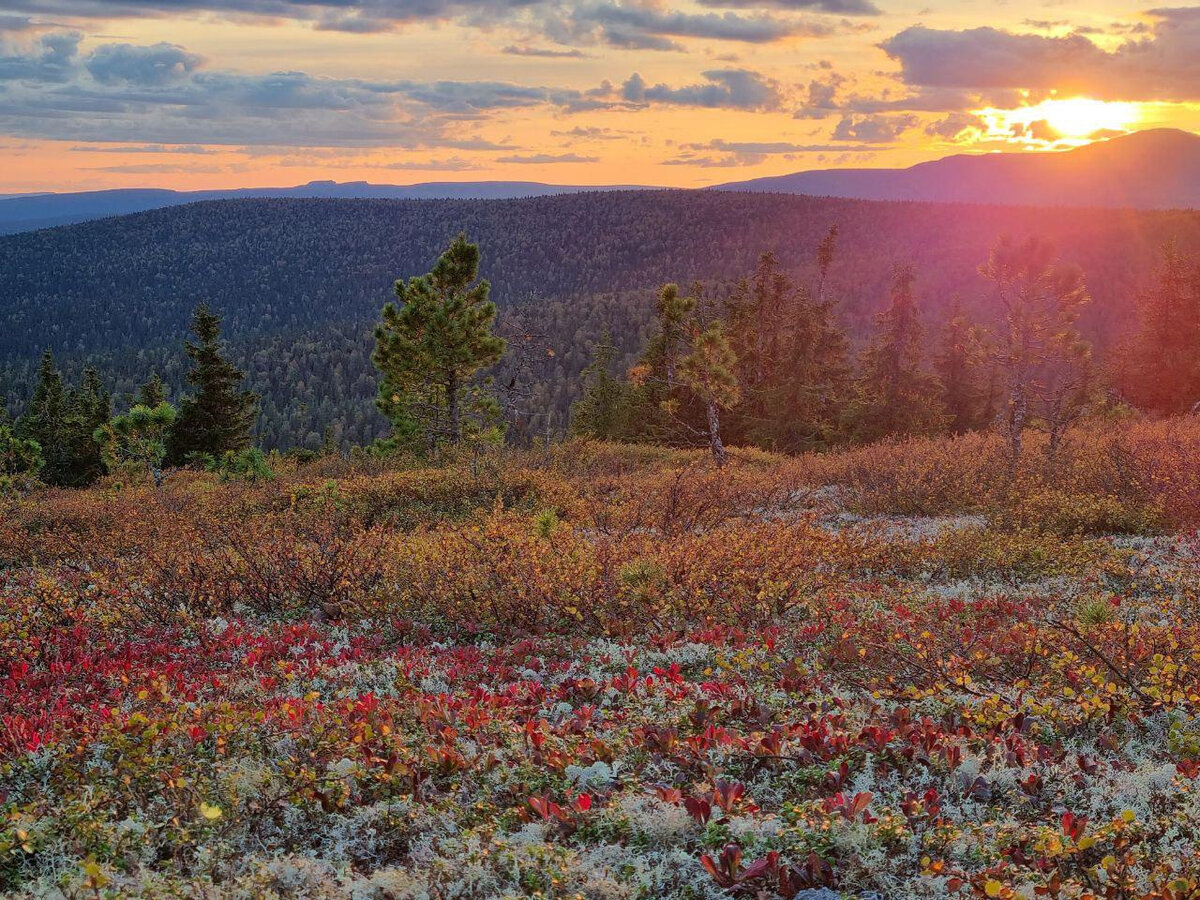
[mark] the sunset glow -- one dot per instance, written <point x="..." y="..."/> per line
<point x="1073" y="120"/>
<point x="229" y="93"/>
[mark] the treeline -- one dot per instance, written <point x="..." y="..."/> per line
<point x="68" y="436"/>
<point x="764" y="362"/>
<point x="299" y="282"/>
<point x="768" y="366"/>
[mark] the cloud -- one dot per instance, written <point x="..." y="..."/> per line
<point x="724" y="89"/>
<point x="618" y="23"/>
<point x="955" y="126"/>
<point x="843" y="7"/>
<point x="155" y="65"/>
<point x="1163" y="65"/>
<point x="547" y="159"/>
<point x="363" y="16"/>
<point x="454" y="164"/>
<point x="875" y="129"/>
<point x="629" y="24"/>
<point x="544" y="52"/>
<point x="51" y="58"/>
<point x="185" y="149"/>
<point x="163" y="94"/>
<point x="156" y="169"/>
<point x="744" y="153"/>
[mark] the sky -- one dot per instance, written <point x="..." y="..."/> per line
<point x="193" y="94"/>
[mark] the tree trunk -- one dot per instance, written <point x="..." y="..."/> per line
<point x="1016" y="425"/>
<point x="714" y="435"/>
<point x="452" y="409"/>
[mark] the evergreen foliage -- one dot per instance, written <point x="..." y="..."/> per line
<point x="965" y="373"/>
<point x="431" y="344"/>
<point x="62" y="422"/>
<point x="218" y="417"/>
<point x="792" y="359"/>
<point x="1162" y="368"/>
<point x="709" y="371"/>
<point x="603" y="410"/>
<point x="897" y="396"/>
<point x="137" y="440"/>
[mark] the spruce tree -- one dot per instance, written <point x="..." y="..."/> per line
<point x="792" y="359"/>
<point x="219" y="417"/>
<point x="959" y="361"/>
<point x="87" y="408"/>
<point x="43" y="421"/>
<point x="152" y="393"/>
<point x="431" y="344"/>
<point x="1162" y="366"/>
<point x="601" y="411"/>
<point x="896" y="396"/>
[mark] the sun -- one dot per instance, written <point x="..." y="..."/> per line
<point x="1069" y="121"/>
<point x="1080" y="117"/>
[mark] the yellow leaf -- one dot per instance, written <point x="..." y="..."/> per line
<point x="993" y="888"/>
<point x="210" y="811"/>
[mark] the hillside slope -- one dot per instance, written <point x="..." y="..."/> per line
<point x="1156" y="169"/>
<point x="30" y="212"/>
<point x="301" y="281"/>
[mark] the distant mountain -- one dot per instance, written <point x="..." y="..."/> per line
<point x="1155" y="169"/>
<point x="28" y="212"/>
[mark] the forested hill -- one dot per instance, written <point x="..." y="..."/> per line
<point x="299" y="282"/>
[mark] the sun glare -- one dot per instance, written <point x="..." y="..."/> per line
<point x="1071" y="120"/>
<point x="1081" y="117"/>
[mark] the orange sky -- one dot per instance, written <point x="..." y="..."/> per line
<point x="226" y="93"/>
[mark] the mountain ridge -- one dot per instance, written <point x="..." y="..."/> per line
<point x="30" y="212"/>
<point x="1152" y="169"/>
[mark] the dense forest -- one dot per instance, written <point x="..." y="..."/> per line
<point x="299" y="283"/>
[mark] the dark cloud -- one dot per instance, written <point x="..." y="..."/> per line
<point x="162" y="94"/>
<point x="1163" y="65"/>
<point x="622" y="23"/>
<point x="724" y="89"/>
<point x="185" y="149"/>
<point x="619" y="23"/>
<point x="842" y="7"/>
<point x="155" y="65"/>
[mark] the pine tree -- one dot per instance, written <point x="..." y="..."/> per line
<point x="959" y="360"/>
<point x="20" y="461"/>
<point x="1162" y="371"/>
<point x="662" y="355"/>
<point x="896" y="396"/>
<point x="430" y="346"/>
<point x="218" y="417"/>
<point x="138" y="439"/>
<point x="709" y="372"/>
